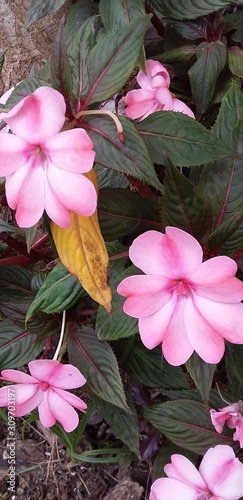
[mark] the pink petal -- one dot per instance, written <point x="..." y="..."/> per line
<point x="238" y="435"/>
<point x="180" y="106"/>
<point x="25" y="192"/>
<point x="71" y="150"/>
<point x="172" y="255"/>
<point x="184" y="471"/>
<point x="218" y="419"/>
<point x="75" y="191"/>
<point x="222" y="472"/>
<point x="72" y="399"/>
<point x="225" y="319"/>
<point x="54" y="208"/>
<point x="30" y="118"/>
<point x="154" y="69"/>
<point x="62" y="411"/>
<point x="203" y="337"/>
<point x="46" y="416"/>
<point x="14" y="153"/>
<point x="146" y="294"/>
<point x="27" y="397"/>
<point x="170" y="489"/>
<point x="176" y="346"/>
<point x="43" y="369"/>
<point x="17" y="376"/>
<point x="140" y="103"/>
<point x="164" y="97"/>
<point x="67" y="377"/>
<point x="153" y="328"/>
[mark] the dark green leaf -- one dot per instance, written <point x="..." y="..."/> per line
<point x="234" y="364"/>
<point x="227" y="238"/>
<point x="130" y="157"/>
<point x="189" y="9"/>
<point x="192" y="30"/>
<point x="187" y="424"/>
<point x="180" y="54"/>
<point x="59" y="291"/>
<point x="124" y="424"/>
<point x="6" y="228"/>
<point x="185" y="141"/>
<point x="235" y="60"/>
<point x="150" y="368"/>
<point x="96" y="360"/>
<point x="17" y="346"/>
<point x="30" y="233"/>
<point x="61" y="75"/>
<point x="117" y="324"/>
<point x="110" y="178"/>
<point x="222" y="181"/>
<point x="211" y="59"/>
<point x="184" y="206"/>
<point x="2" y="54"/>
<point x="235" y="21"/>
<point x="41" y="8"/>
<point x="79" y="13"/>
<point x="112" y="60"/>
<point x="122" y="212"/>
<point x="202" y="374"/>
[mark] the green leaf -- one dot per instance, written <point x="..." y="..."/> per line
<point x="150" y="368"/>
<point x="180" y="54"/>
<point x="61" y="75"/>
<point x="112" y="60"/>
<point x="184" y="206"/>
<point x="185" y="141"/>
<point x="30" y="233"/>
<point x="17" y="346"/>
<point x="122" y="212"/>
<point x="2" y="54"/>
<point x="189" y="9"/>
<point x="202" y="374"/>
<point x="110" y="178"/>
<point x="130" y="157"/>
<point x="187" y="424"/>
<point x="60" y="291"/>
<point x="234" y="364"/>
<point x="234" y="21"/>
<point x="79" y="13"/>
<point x="41" y="8"/>
<point x="117" y="324"/>
<point x="124" y="424"/>
<point x="222" y="181"/>
<point x="211" y="59"/>
<point x="235" y="60"/>
<point x="191" y="30"/>
<point x="97" y="362"/>
<point x="6" y="228"/>
<point x="227" y="238"/>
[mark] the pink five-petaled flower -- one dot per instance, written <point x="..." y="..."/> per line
<point x="42" y="166"/>
<point x="154" y="94"/>
<point x="220" y="477"/>
<point x="45" y="388"/>
<point x="181" y="301"/>
<point x="233" y="416"/>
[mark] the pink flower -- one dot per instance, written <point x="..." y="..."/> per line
<point x="154" y="94"/>
<point x="45" y="389"/>
<point x="233" y="416"/>
<point x="181" y="301"/>
<point x="42" y="166"/>
<point x="220" y="477"/>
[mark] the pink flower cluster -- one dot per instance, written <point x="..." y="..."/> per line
<point x="46" y="388"/>
<point x="43" y="168"/>
<point x="154" y="94"/>
<point x="232" y="415"/>
<point x="181" y="301"/>
<point x="220" y="477"/>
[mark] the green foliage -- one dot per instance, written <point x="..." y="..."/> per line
<point x="41" y="8"/>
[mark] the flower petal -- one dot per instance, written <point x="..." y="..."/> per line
<point x="74" y="191"/>
<point x="153" y="328"/>
<point x="14" y="153"/>
<point x="46" y="416"/>
<point x="25" y="192"/>
<point x="43" y="369"/>
<point x="180" y="106"/>
<point x="170" y="489"/>
<point x="154" y="70"/>
<point x="27" y="397"/>
<point x="225" y="319"/>
<point x="17" y="376"/>
<point x="71" y="150"/>
<point x="62" y="411"/>
<point x="184" y="471"/>
<point x="172" y="255"/>
<point x="67" y="377"/>
<point x="72" y="399"/>
<point x="140" y="103"/>
<point x="146" y="294"/>
<point x="204" y="338"/>
<point x="176" y="346"/>
<point x="30" y="118"/>
<point x="164" y="97"/>
<point x="54" y="208"/>
<point x="222" y="472"/>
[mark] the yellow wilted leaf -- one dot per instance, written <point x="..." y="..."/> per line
<point x="82" y="251"/>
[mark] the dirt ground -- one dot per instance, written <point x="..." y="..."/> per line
<point x="45" y="470"/>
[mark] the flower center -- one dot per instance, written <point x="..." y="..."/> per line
<point x="38" y="149"/>
<point x="44" y="386"/>
<point x="182" y="288"/>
